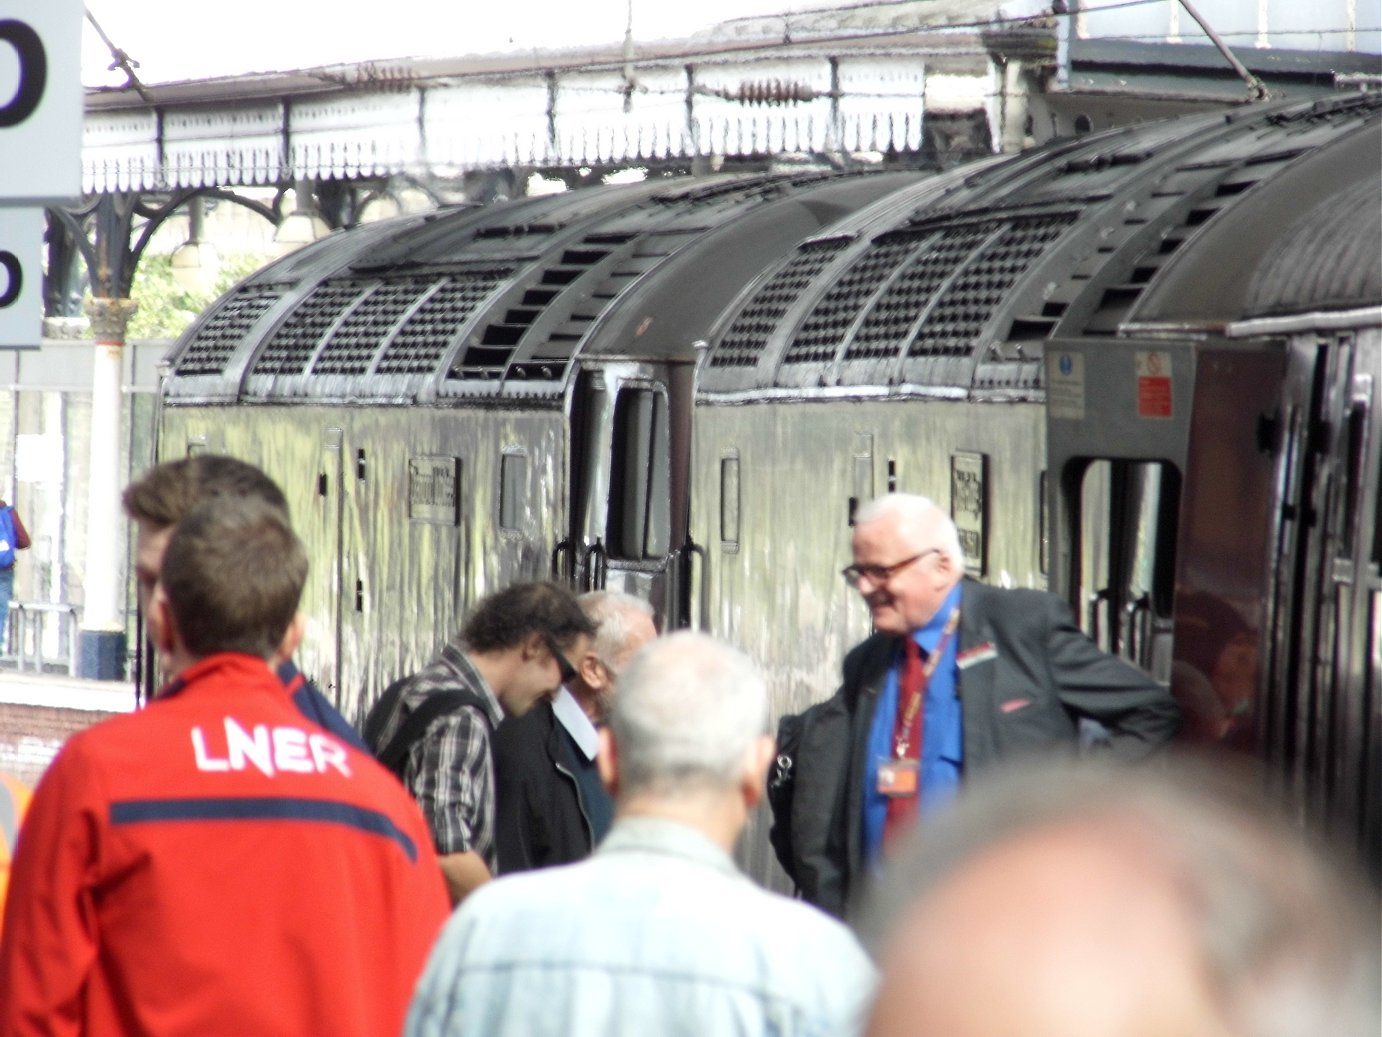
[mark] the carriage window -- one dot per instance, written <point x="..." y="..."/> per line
<point x="640" y="488"/>
<point x="729" y="503"/>
<point x="513" y="490"/>
<point x="1127" y="553"/>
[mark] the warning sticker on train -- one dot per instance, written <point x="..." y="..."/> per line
<point x="1154" y="384"/>
<point x="1065" y="386"/>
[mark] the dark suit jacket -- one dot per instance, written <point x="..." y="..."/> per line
<point x="540" y="816"/>
<point x="1027" y="676"/>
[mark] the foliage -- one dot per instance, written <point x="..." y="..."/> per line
<point x="165" y="307"/>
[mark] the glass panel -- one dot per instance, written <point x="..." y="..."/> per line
<point x="640" y="521"/>
<point x="657" y="541"/>
<point x="1094" y="551"/>
<point x="1128" y="513"/>
<point x="513" y="490"/>
<point x="729" y="503"/>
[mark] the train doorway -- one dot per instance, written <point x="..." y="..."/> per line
<point x="630" y="461"/>
<point x="1118" y="420"/>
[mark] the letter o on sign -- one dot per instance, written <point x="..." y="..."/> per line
<point x="33" y="72"/>
<point x="14" y="278"/>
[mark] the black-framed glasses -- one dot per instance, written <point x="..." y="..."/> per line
<point x="568" y="672"/>
<point x="881" y="574"/>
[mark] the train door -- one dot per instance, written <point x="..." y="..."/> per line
<point x="1117" y="422"/>
<point x="1322" y="716"/>
<point x="630" y="459"/>
<point x="326" y="584"/>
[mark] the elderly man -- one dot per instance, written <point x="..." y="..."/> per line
<point x="550" y="807"/>
<point x="958" y="675"/>
<point x="658" y="932"/>
<point x="511" y="654"/>
<point x="1084" y="900"/>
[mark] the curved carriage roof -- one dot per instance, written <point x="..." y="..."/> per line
<point x="1156" y="224"/>
<point x="808" y="283"/>
<point x="495" y="302"/>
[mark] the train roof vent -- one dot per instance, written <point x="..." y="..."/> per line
<point x="980" y="289"/>
<point x="934" y="259"/>
<point x="1229" y="184"/>
<point x="819" y="335"/>
<point x="743" y="343"/>
<point x="429" y="330"/>
<point x="490" y="357"/>
<point x="212" y="346"/>
<point x="353" y="345"/>
<point x="295" y="341"/>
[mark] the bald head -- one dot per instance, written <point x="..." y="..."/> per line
<point x="907" y="559"/>
<point x="690" y="710"/>
<point x="1085" y="901"/>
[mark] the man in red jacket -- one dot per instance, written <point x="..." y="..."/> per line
<point x="215" y="863"/>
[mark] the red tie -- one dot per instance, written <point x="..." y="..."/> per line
<point x="902" y="810"/>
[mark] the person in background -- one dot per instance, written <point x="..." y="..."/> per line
<point x="550" y="805"/>
<point x="511" y="654"/>
<point x="216" y="864"/>
<point x="658" y="932"/>
<point x="157" y="501"/>
<point x="957" y="677"/>
<point x="1078" y="899"/>
<point x="13" y="537"/>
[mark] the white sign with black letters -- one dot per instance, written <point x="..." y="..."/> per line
<point x="40" y="102"/>
<point x="21" y="277"/>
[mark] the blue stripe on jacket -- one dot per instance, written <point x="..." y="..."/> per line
<point x="262" y="808"/>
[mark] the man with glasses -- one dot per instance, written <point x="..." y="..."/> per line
<point x="957" y="676"/>
<point x="512" y="654"/>
<point x="551" y="806"/>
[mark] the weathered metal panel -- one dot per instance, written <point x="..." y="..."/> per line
<point x="404" y="580"/>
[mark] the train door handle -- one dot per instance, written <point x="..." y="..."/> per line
<point x="565" y="550"/>
<point x="692" y="549"/>
<point x="596" y="566"/>
<point x="1097" y="601"/>
<point x="679" y="573"/>
<point x="1139" y="620"/>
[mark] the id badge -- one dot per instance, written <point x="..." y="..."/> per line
<point x="897" y="777"/>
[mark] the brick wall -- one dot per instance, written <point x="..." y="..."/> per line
<point x="30" y="736"/>
<point x="37" y="716"/>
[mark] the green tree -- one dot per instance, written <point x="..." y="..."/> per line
<point x="165" y="307"/>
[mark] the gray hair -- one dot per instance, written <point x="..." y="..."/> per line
<point x="608" y="612"/>
<point x="1281" y="932"/>
<point x="689" y="710"/>
<point x="913" y="513"/>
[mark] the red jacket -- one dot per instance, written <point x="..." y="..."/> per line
<point x="215" y="864"/>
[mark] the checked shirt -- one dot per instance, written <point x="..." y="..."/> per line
<point x="450" y="770"/>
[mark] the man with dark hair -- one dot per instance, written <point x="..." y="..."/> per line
<point x="215" y="864"/>
<point x="550" y="805"/>
<point x="512" y="653"/>
<point x="159" y="499"/>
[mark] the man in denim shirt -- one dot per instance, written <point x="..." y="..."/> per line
<point x="658" y="932"/>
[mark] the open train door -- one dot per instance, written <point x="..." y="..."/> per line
<point x="1160" y="497"/>
<point x="630" y="461"/>
<point x="1117" y="428"/>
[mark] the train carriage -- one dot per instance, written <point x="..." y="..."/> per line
<point x="1139" y="368"/>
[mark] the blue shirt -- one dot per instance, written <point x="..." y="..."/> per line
<point x="942" y="750"/>
<point x="657" y="933"/>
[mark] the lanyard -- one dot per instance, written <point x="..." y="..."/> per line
<point x="902" y="732"/>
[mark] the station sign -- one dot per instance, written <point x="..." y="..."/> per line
<point x="21" y="277"/>
<point x="40" y="102"/>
